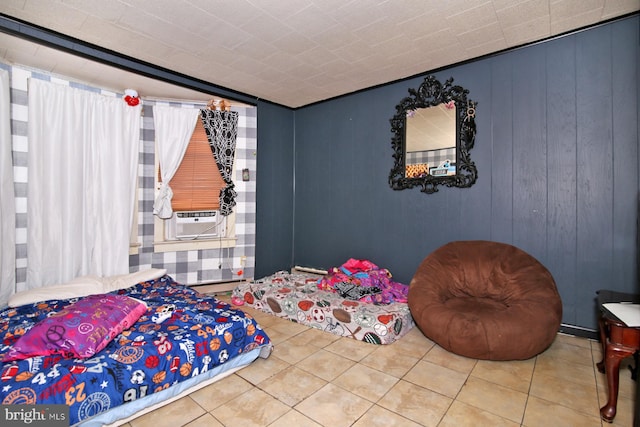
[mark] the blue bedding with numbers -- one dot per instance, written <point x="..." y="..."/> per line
<point x="183" y="336"/>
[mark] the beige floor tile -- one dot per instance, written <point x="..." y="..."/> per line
<point x="275" y="336"/>
<point x="569" y="353"/>
<point x="595" y="345"/>
<point x="580" y="397"/>
<point x="515" y="374"/>
<point x="288" y="328"/>
<point x="294" y="418"/>
<point x="573" y="340"/>
<point x="390" y="359"/>
<point x="437" y="378"/>
<point x="254" y="408"/>
<point x="381" y="417"/>
<point x="601" y="386"/>
<point x="351" y="349"/>
<point x="314" y="337"/>
<point x="409" y="383"/>
<point x="627" y="386"/>
<point x="207" y="420"/>
<point x="333" y="406"/>
<point x="502" y="401"/>
<point x="463" y="415"/>
<point x="413" y="344"/>
<point x="292" y="385"/>
<point x="261" y="369"/>
<point x="574" y="372"/>
<point x="442" y="357"/>
<point x="419" y="404"/>
<point x="177" y="413"/>
<point x="543" y="413"/>
<point x="292" y="352"/>
<point x="263" y="319"/>
<point x="596" y="354"/>
<point x="220" y="392"/>
<point x="365" y="382"/>
<point x="325" y="364"/>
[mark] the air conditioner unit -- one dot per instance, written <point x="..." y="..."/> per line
<point x="196" y="224"/>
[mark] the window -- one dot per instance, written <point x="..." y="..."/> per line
<point x="196" y="186"/>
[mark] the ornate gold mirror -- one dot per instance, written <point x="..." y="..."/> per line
<point x="433" y="131"/>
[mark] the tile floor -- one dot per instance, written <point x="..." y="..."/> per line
<point x="313" y="378"/>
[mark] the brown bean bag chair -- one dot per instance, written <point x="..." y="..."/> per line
<point x="485" y="300"/>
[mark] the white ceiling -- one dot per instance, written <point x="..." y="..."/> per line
<point x="291" y="52"/>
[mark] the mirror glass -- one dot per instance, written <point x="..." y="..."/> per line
<point x="433" y="131"/>
<point x="430" y="137"/>
<point x="431" y="128"/>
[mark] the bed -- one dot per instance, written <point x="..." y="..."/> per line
<point x="297" y="296"/>
<point x="179" y="341"/>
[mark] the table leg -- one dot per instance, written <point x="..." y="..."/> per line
<point x="613" y="356"/>
<point x="603" y="341"/>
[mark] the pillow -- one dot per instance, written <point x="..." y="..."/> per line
<point x="83" y="286"/>
<point x="79" y="330"/>
<point x="123" y="281"/>
<point x="76" y="288"/>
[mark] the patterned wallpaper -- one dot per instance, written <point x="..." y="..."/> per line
<point x="432" y="157"/>
<point x="189" y="267"/>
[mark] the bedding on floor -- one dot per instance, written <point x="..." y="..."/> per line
<point x="304" y="298"/>
<point x="179" y="340"/>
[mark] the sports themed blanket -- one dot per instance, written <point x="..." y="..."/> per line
<point x="297" y="297"/>
<point x="181" y="335"/>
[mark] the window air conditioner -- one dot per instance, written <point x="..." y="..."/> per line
<point x="196" y="224"/>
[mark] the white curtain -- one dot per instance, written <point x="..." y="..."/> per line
<point x="82" y="166"/>
<point x="174" y="128"/>
<point x="7" y="201"/>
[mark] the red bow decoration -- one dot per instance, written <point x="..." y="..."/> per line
<point x="133" y="101"/>
<point x="131" y="97"/>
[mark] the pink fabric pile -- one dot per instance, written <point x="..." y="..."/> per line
<point x="362" y="280"/>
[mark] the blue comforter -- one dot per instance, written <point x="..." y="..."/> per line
<point x="182" y="335"/>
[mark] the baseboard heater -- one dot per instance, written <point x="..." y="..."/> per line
<point x="218" y="287"/>
<point x="218" y="282"/>
<point x="579" y="331"/>
<point x="309" y="270"/>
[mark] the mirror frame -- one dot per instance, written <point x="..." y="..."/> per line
<point x="431" y="93"/>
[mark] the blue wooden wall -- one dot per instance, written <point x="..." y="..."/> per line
<point x="557" y="158"/>
<point x="274" y="189"/>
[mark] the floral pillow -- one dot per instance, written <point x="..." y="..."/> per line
<point x="79" y="330"/>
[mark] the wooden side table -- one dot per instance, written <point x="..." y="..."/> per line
<point x="618" y="342"/>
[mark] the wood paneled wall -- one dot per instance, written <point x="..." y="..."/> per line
<point x="557" y="158"/>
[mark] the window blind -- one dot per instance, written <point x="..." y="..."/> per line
<point x="197" y="183"/>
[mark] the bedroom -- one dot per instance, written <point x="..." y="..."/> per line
<point x="574" y="209"/>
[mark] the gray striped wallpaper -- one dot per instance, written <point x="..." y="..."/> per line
<point x="189" y="267"/>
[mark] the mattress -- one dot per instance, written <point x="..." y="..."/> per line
<point x="184" y="340"/>
<point x="123" y="414"/>
<point x="296" y="297"/>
